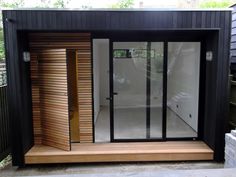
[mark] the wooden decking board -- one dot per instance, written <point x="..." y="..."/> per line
<point x="121" y="152"/>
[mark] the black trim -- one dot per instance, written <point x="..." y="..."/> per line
<point x="155" y="139"/>
<point x="164" y="97"/>
<point x="92" y="75"/>
<point x="148" y="91"/>
<point x="111" y="90"/>
<point x="201" y="93"/>
<point x="172" y="35"/>
<point x="181" y="139"/>
<point x="138" y="140"/>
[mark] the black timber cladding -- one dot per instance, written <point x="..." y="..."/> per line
<point x="233" y="41"/>
<point x="17" y="22"/>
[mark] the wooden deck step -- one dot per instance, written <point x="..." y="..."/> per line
<point x="121" y="152"/>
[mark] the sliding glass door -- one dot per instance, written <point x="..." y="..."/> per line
<point x="137" y="82"/>
<point x="154" y="90"/>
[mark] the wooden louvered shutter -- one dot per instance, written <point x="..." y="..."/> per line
<point x="53" y="98"/>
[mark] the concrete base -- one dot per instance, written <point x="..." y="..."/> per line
<point x="170" y="173"/>
<point x="199" y="169"/>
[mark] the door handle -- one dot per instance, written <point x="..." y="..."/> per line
<point x="110" y="98"/>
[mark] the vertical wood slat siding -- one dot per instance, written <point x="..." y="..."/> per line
<point x="16" y="95"/>
<point x="85" y="94"/>
<point x="81" y="42"/>
<point x="4" y="123"/>
<point x="222" y="81"/>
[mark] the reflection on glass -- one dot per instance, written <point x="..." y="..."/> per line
<point x="156" y="89"/>
<point x="137" y="82"/>
<point x="129" y="81"/>
<point x="183" y="89"/>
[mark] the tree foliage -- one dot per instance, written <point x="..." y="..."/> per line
<point x="60" y="3"/>
<point x="14" y="4"/>
<point x="2" y="52"/>
<point x="216" y="3"/>
<point x="7" y="4"/>
<point x="21" y="3"/>
<point x="123" y="4"/>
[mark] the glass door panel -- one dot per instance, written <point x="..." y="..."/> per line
<point x="183" y="89"/>
<point x="156" y="89"/>
<point x="137" y="90"/>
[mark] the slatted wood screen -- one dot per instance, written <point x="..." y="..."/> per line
<point x="35" y="98"/>
<point x="85" y="95"/>
<point x="53" y="98"/>
<point x="81" y="43"/>
<point x="52" y="67"/>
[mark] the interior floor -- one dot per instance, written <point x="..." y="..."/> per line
<point x="131" y="124"/>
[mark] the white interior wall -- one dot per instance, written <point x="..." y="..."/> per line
<point x="183" y="80"/>
<point x="100" y="74"/>
<point x="96" y="79"/>
<point x="104" y="71"/>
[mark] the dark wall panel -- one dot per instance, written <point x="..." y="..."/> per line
<point x="26" y="95"/>
<point x="19" y="92"/>
<point x="216" y="72"/>
<point x="115" y="20"/>
<point x="233" y="42"/>
<point x="14" y="91"/>
<point x="222" y="83"/>
<point x="210" y="93"/>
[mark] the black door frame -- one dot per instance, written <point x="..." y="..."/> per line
<point x="164" y="99"/>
